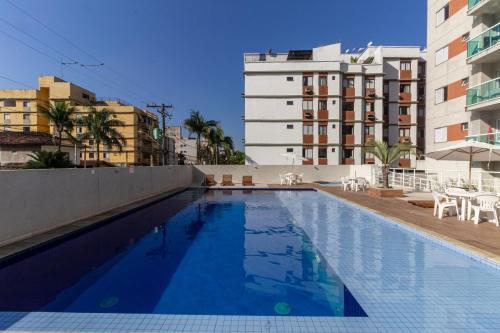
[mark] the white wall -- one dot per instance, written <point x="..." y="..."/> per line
<point x="34" y="201"/>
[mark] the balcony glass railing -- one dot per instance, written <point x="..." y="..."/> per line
<point x="484" y="41"/>
<point x="473" y="3"/>
<point x="483" y="92"/>
<point x="491" y="138"/>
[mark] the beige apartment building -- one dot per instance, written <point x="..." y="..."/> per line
<point x="19" y="111"/>
<point x="463" y="76"/>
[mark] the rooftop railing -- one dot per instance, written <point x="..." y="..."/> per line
<point x="484" y="41"/>
<point x="484" y="92"/>
<point x="473" y="3"/>
<point x="266" y="57"/>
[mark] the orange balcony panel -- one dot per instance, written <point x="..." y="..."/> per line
<point x="323" y="114"/>
<point x="404" y="139"/>
<point x="308" y="161"/>
<point x="369" y="137"/>
<point x="348" y="115"/>
<point x="369" y="161"/>
<point x="405" y="97"/>
<point x="348" y="161"/>
<point x="307" y="138"/>
<point x="405" y="119"/>
<point x="456" y="5"/>
<point x="405" y="163"/>
<point x="348" y="139"/>
<point x="349" y="92"/>
<point x="370" y="92"/>
<point x="405" y="74"/>
<point x="323" y="90"/>
<point x="370" y="116"/>
<point x="323" y="139"/>
<point x="323" y="161"/>
<point x="308" y="90"/>
<point x="456" y="132"/>
<point x="456" y="89"/>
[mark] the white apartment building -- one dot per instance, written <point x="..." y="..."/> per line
<point x="325" y="105"/>
<point x="183" y="145"/>
<point x="463" y="71"/>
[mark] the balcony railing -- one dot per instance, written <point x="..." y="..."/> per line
<point x="484" y="41"/>
<point x="473" y="3"/>
<point x="266" y="57"/>
<point x="491" y="138"/>
<point x="484" y="92"/>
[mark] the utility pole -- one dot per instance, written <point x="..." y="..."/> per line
<point x="163" y="111"/>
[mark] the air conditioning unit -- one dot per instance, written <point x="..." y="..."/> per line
<point x="371" y="117"/>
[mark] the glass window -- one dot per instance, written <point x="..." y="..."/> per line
<point x="370" y="106"/>
<point x="26" y="129"/>
<point x="348" y="106"/>
<point x="322" y="129"/>
<point x="323" y="81"/>
<point x="421" y="112"/>
<point x="370" y="83"/>
<point x="369" y="130"/>
<point x="322" y="153"/>
<point x="348" y="130"/>
<point x="289" y="126"/>
<point x="307" y="105"/>
<point x="307" y="81"/>
<point x="441" y="55"/>
<point x="404" y="110"/>
<point x="307" y="129"/>
<point x="441" y="95"/>
<point x="9" y="103"/>
<point x="404" y="132"/>
<point x="348" y="82"/>
<point x="443" y="14"/>
<point x="6" y="118"/>
<point x="307" y="153"/>
<point x="386" y="88"/>
<point x="405" y="65"/>
<point x="26" y="104"/>
<point x="289" y="102"/>
<point x="322" y="104"/>
<point x="348" y="153"/>
<point x="289" y="150"/>
<point x="289" y="78"/>
<point x="405" y="88"/>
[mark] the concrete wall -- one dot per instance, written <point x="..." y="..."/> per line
<point x="34" y="201"/>
<point x="269" y="174"/>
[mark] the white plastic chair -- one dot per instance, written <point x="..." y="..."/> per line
<point x="345" y="183"/>
<point x="283" y="179"/>
<point x="485" y="204"/>
<point x="442" y="202"/>
<point x="298" y="178"/>
<point x="361" y="184"/>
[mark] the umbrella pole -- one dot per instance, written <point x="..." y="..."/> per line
<point x="470" y="172"/>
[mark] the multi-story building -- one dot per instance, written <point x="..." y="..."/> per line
<point x="184" y="146"/>
<point x="325" y="105"/>
<point x="19" y="110"/>
<point x="463" y="77"/>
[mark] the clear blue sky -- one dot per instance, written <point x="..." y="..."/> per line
<point x="187" y="52"/>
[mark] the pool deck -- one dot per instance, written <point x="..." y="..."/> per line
<point x="482" y="239"/>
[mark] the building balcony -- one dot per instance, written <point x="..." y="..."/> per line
<point x="370" y="93"/>
<point x="404" y="139"/>
<point x="404" y="119"/>
<point x="481" y="7"/>
<point x="308" y="114"/>
<point x="491" y="138"/>
<point x="348" y="161"/>
<point x="484" y="97"/>
<point x="369" y="137"/>
<point x="323" y="114"/>
<point x="484" y="48"/>
<point x="323" y="139"/>
<point x="404" y="163"/>
<point x="308" y="90"/>
<point x="323" y="90"/>
<point x="405" y="97"/>
<point x="349" y="92"/>
<point x="405" y="74"/>
<point x="348" y="115"/>
<point x="308" y="138"/>
<point x="307" y="161"/>
<point x="322" y="161"/>
<point x="370" y="116"/>
<point x="348" y="139"/>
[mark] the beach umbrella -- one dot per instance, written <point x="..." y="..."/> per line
<point x="293" y="157"/>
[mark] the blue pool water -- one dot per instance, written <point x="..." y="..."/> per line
<point x="216" y="253"/>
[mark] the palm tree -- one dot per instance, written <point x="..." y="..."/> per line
<point x="228" y="147"/>
<point x="60" y="115"/>
<point x="386" y="155"/>
<point x="48" y="160"/>
<point x="197" y="124"/>
<point x="101" y="128"/>
<point x="215" y="136"/>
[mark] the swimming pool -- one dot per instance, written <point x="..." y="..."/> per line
<point x="248" y="260"/>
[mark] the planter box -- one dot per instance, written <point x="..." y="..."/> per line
<point x="378" y="192"/>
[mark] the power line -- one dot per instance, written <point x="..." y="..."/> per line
<point x="16" y="82"/>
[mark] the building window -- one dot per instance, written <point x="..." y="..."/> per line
<point x="370" y="106"/>
<point x="322" y="81"/>
<point x="348" y="106"/>
<point x="386" y="87"/>
<point x="289" y="126"/>
<point x="421" y="68"/>
<point x="289" y="102"/>
<point x="322" y="104"/>
<point x="441" y="95"/>
<point x="421" y="112"/>
<point x="405" y="65"/>
<point x="26" y="104"/>
<point x="322" y="153"/>
<point x="78" y="130"/>
<point x="465" y="82"/>
<point x="405" y="155"/>
<point x="465" y="127"/>
<point x="307" y="129"/>
<point x="26" y="129"/>
<point x="348" y="129"/>
<point x="322" y="129"/>
<point x="369" y="130"/>
<point x="348" y="82"/>
<point x="404" y="88"/>
<point x="441" y="55"/>
<point x="421" y="133"/>
<point x="443" y="14"/>
<point x="307" y="153"/>
<point x="404" y="132"/>
<point x="404" y="110"/>
<point x="421" y="91"/>
<point x="307" y="81"/>
<point x="11" y="103"/>
<point x="26" y="119"/>
<point x="6" y="118"/>
<point x="307" y="105"/>
<point x="441" y="134"/>
<point x="91" y="155"/>
<point x="105" y="155"/>
<point x="370" y="83"/>
<point x="348" y="153"/>
<point x="289" y="78"/>
<point x="289" y="150"/>
<point x="333" y="150"/>
<point x="85" y="96"/>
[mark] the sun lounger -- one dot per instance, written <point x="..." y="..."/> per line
<point x="209" y="180"/>
<point x="227" y="180"/>
<point x="247" y="181"/>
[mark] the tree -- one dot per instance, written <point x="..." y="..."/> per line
<point x="48" y="160"/>
<point x="197" y="124"/>
<point x="101" y="128"/>
<point x="237" y="158"/>
<point x="228" y="147"/>
<point x="60" y="115"/>
<point x="386" y="155"/>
